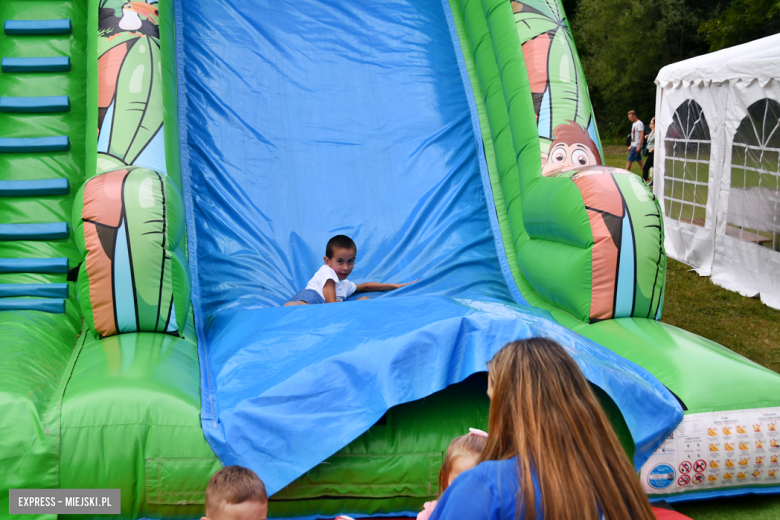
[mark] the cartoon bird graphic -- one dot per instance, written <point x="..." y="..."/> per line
<point x="773" y="459"/>
<point x="712" y="478"/>
<point x="771" y="473"/>
<point x="729" y="463"/>
<point x="726" y="430"/>
<point x="744" y="446"/>
<point x="771" y="426"/>
<point x="741" y="429"/>
<point x="712" y="432"/>
<point x="131" y="19"/>
<point x="757" y="428"/>
<point x="714" y="464"/>
<point x="729" y="446"/>
<point x="728" y="476"/>
<point x="759" y="460"/>
<point x="744" y="462"/>
<point x="741" y="475"/>
<point x="759" y="444"/>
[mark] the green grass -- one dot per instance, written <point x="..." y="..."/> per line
<point x="753" y="508"/>
<point x="745" y="325"/>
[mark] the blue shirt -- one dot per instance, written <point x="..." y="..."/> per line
<point x="486" y="492"/>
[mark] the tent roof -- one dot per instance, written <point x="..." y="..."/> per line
<point x="756" y="60"/>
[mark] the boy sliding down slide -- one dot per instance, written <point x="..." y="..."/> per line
<point x="330" y="284"/>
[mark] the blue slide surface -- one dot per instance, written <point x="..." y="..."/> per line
<point x="302" y="120"/>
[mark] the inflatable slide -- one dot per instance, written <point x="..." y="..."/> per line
<point x="169" y="176"/>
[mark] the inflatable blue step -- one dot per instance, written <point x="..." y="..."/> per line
<point x="35" y="104"/>
<point x="58" y="64"/>
<point x="38" y="27"/>
<point x="53" y="231"/>
<point x="53" y="305"/>
<point x="34" y="188"/>
<point x="38" y="290"/>
<point x="58" y="143"/>
<point x="34" y="265"/>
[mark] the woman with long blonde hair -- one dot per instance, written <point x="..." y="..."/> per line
<point x="551" y="453"/>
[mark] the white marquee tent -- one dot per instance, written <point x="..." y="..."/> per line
<point x="717" y="165"/>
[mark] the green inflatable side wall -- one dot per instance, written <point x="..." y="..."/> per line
<point x="684" y="362"/>
<point x="705" y="376"/>
<point x="37" y="346"/>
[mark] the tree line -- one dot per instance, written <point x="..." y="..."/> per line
<point x="624" y="43"/>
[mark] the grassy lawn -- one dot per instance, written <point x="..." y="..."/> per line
<point x="744" y="325"/>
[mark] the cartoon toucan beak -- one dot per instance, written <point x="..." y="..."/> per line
<point x="149" y="11"/>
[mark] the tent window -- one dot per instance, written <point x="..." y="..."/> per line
<point x="754" y="198"/>
<point x="687" y="168"/>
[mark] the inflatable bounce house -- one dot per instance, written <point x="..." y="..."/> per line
<point x="169" y="176"/>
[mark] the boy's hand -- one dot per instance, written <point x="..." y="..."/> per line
<point x="399" y="285"/>
<point x="373" y="286"/>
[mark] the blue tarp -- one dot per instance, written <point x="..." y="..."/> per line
<point x="301" y="120"/>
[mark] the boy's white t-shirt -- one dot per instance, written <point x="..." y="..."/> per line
<point x="344" y="288"/>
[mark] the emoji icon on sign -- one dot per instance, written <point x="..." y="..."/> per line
<point x="744" y="462"/>
<point x="773" y="458"/>
<point x="712" y="432"/>
<point x="771" y="427"/>
<point x="741" y="475"/>
<point x="712" y="478"/>
<point x="729" y="446"/>
<point x="729" y="463"/>
<point x="741" y="429"/>
<point x="771" y="473"/>
<point x="756" y="473"/>
<point x="743" y="446"/>
<point x="759" y="460"/>
<point x="726" y="430"/>
<point x="756" y="428"/>
<point x="714" y="447"/>
<point x="759" y="444"/>
<point x="773" y="443"/>
<point x="727" y="476"/>
<point x="714" y="464"/>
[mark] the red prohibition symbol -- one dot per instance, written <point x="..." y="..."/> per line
<point x="685" y="467"/>
<point x="699" y="466"/>
<point x="698" y="478"/>
<point x="684" y="480"/>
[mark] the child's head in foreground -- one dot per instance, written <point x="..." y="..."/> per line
<point x="340" y="255"/>
<point x="463" y="454"/>
<point x="236" y="493"/>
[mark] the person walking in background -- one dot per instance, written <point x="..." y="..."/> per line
<point x="637" y="138"/>
<point x="650" y="152"/>
<point x="551" y="452"/>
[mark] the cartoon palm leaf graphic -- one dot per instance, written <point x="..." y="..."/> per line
<point x="106" y="44"/>
<point x="147" y="239"/>
<point x="532" y="22"/>
<point x="138" y="111"/>
<point x="568" y="92"/>
<point x="554" y="70"/>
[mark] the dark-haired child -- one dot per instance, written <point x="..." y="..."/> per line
<point x="329" y="284"/>
<point x="236" y="493"/>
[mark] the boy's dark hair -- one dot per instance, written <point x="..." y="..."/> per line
<point x="340" y="241"/>
<point x="234" y="485"/>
